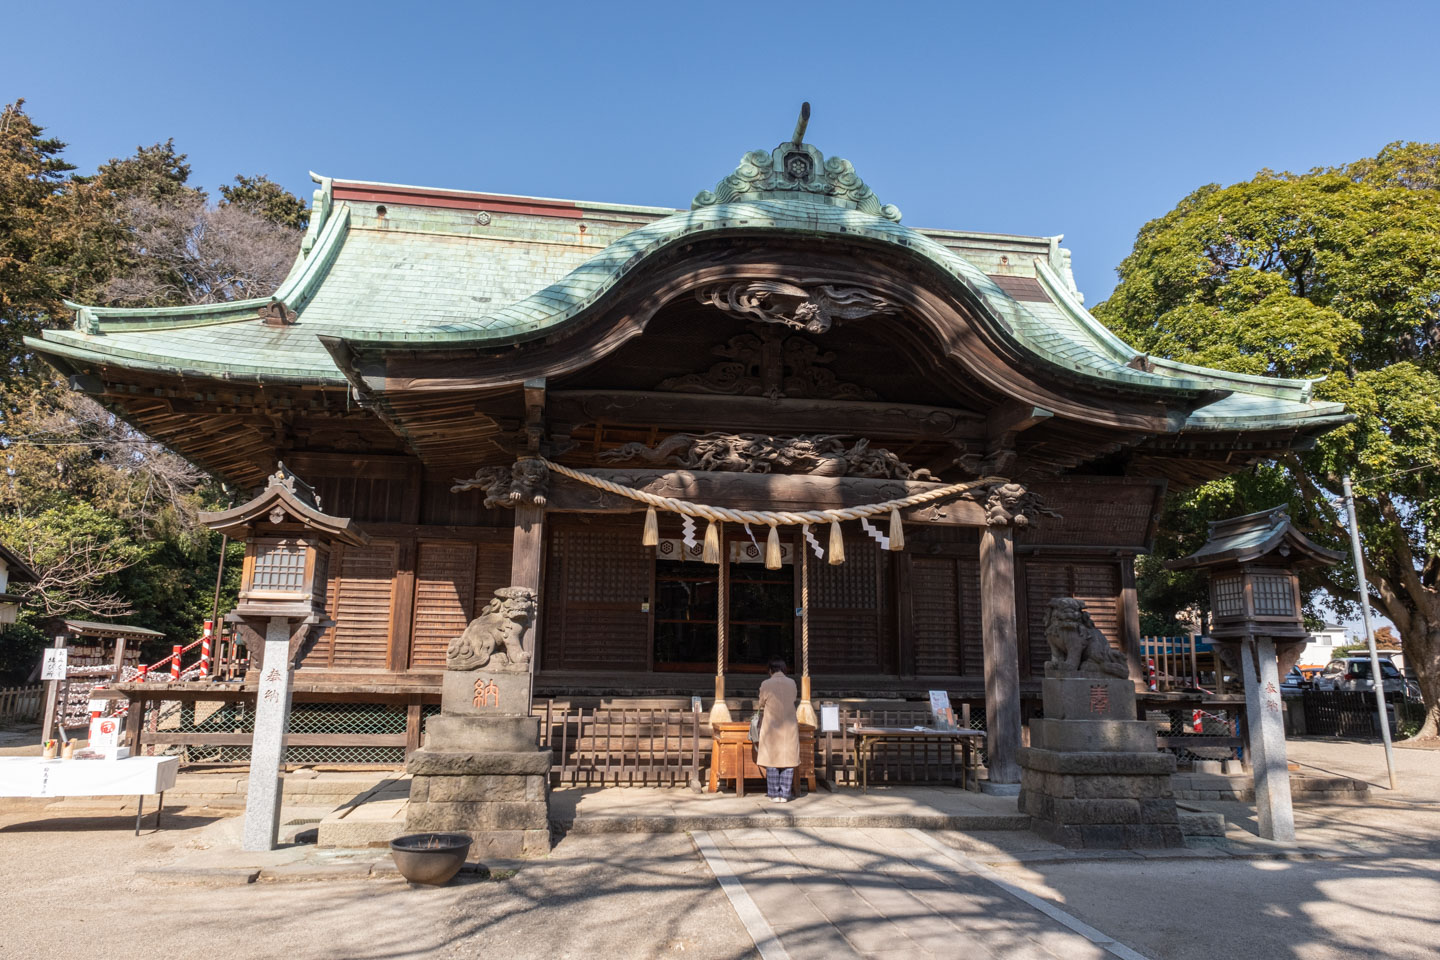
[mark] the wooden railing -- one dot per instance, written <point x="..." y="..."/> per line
<point x="21" y="704"/>
<point x="653" y="746"/>
<point x="1171" y="663"/>
<point x="668" y="746"/>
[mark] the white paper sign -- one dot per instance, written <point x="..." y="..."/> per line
<point x="96" y="706"/>
<point x="53" y="667"/>
<point x="941" y="715"/>
<point x="105" y="735"/>
<point x="829" y="718"/>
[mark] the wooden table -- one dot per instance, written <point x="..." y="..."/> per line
<point x="130" y="777"/>
<point x="866" y="738"/>
<point x="732" y="756"/>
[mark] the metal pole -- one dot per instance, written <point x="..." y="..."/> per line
<point x="1375" y="677"/>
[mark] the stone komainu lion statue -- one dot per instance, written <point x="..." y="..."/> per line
<point x="1076" y="643"/>
<point x="497" y="632"/>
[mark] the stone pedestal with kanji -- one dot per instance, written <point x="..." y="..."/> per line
<point x="482" y="770"/>
<point x="1092" y="776"/>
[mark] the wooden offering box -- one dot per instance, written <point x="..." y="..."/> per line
<point x="731" y="750"/>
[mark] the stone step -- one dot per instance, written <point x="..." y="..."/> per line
<point x="371" y="820"/>
<point x="1201" y="824"/>
<point x="1304" y="788"/>
<point x="685" y="823"/>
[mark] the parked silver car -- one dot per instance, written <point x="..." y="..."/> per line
<point x="1353" y="673"/>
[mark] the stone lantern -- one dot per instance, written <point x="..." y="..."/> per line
<point x="283" y="598"/>
<point x="1258" y="623"/>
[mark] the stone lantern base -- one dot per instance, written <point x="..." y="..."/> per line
<point x="1092" y="776"/>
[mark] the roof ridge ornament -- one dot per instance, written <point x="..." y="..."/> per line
<point x="795" y="170"/>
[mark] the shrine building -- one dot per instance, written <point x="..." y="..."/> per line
<point x="784" y="345"/>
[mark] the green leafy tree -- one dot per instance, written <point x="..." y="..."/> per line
<point x="104" y="513"/>
<point x="32" y="175"/>
<point x="1334" y="275"/>
<point x="267" y="199"/>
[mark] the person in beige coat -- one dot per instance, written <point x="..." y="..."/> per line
<point x="779" y="748"/>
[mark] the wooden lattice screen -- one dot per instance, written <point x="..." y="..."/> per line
<point x="849" y="611"/>
<point x="598" y="583"/>
<point x="945" y="594"/>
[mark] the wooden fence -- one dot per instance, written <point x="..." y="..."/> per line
<point x="21" y="704"/>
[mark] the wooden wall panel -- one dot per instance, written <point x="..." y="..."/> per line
<point x="848" y="612"/>
<point x="363" y="600"/>
<point x="937" y="616"/>
<point x="492" y="569"/>
<point x="444" y="599"/>
<point x="1096" y="583"/>
<point x="972" y="644"/>
<point x="946" y="599"/>
<point x="364" y="488"/>
<point x="597" y="581"/>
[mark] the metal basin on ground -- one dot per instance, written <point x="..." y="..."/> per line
<point x="431" y="858"/>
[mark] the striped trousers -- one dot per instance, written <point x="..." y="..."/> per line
<point x="779" y="781"/>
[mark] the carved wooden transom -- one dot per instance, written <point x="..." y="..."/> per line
<point x="767" y="362"/>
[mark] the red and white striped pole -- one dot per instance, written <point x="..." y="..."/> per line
<point x="1150" y="667"/>
<point x="175" y="662"/>
<point x="1197" y="720"/>
<point x="205" y="649"/>
<point x="144" y="672"/>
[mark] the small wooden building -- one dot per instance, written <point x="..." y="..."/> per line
<point x="783" y="344"/>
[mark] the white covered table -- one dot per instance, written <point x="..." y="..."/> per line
<point x="130" y="777"/>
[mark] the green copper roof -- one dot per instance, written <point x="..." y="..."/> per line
<point x="418" y="277"/>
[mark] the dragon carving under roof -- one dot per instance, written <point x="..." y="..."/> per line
<point x="822" y="455"/>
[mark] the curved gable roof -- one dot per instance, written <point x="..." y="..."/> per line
<point x="432" y="275"/>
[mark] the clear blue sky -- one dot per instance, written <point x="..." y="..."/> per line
<point x="1085" y="119"/>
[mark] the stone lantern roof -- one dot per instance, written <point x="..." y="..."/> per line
<point x="1253" y="537"/>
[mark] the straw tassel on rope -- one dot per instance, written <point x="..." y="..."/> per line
<point x="897" y="530"/>
<point x="772" y="549"/>
<point x="836" y="554"/>
<point x="651" y="537"/>
<point x="712" y="543"/>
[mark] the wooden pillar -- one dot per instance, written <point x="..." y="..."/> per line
<point x="1130" y="623"/>
<point x="1001" y="635"/>
<point x="119" y="658"/>
<point x="527" y="562"/>
<point x="52" y="699"/>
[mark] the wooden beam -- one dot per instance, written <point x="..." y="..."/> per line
<point x="682" y="411"/>
<point x="757" y="491"/>
<point x="1009" y="419"/>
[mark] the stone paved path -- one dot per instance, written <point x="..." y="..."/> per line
<point x="878" y="893"/>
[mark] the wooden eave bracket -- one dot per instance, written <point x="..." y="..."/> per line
<point x="1010" y="419"/>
